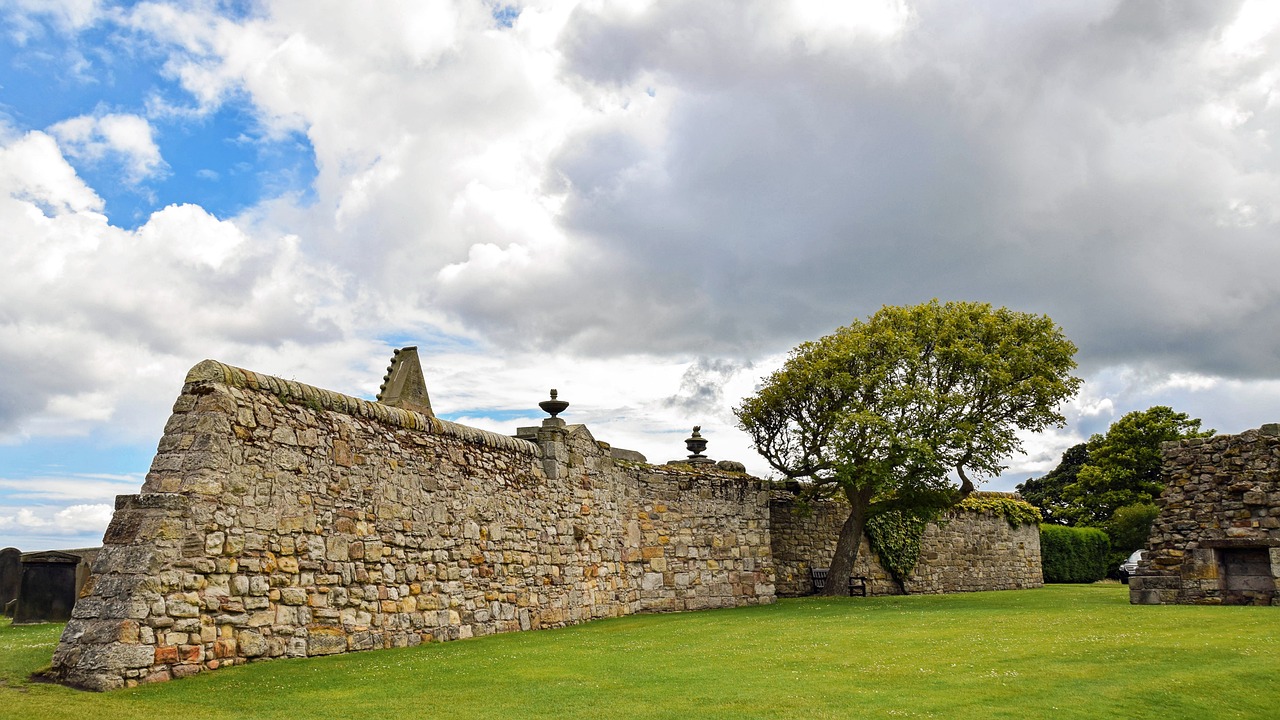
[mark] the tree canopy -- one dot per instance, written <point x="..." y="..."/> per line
<point x="882" y="411"/>
<point x="1049" y="492"/>
<point x="1113" y="480"/>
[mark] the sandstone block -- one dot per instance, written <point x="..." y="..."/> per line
<point x="224" y="648"/>
<point x="251" y="643"/>
<point x="326" y="641"/>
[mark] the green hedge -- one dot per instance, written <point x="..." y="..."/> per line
<point x="1073" y="555"/>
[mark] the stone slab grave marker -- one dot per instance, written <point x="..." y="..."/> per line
<point x="48" y="587"/>
<point x="10" y="576"/>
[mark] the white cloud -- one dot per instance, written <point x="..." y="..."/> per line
<point x="188" y="232"/>
<point x="1095" y="407"/>
<point x="32" y="170"/>
<point x="67" y="16"/>
<point x="646" y="204"/>
<point x="826" y="22"/>
<point x="100" y="323"/>
<point x="129" y="138"/>
<point x="1248" y="35"/>
<point x="72" y="520"/>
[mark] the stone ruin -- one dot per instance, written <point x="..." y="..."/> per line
<point x="283" y="520"/>
<point x="1217" y="537"/>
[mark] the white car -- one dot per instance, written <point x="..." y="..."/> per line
<point x="1130" y="566"/>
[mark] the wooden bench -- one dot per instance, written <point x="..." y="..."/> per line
<point x="857" y="585"/>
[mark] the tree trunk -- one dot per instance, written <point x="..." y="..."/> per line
<point x="966" y="485"/>
<point x="847" y="546"/>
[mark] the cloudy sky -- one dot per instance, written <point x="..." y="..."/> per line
<point x="644" y="204"/>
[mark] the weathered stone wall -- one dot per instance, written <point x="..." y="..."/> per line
<point x="965" y="551"/>
<point x="805" y="537"/>
<point x="281" y="520"/>
<point x="1217" y="537"/>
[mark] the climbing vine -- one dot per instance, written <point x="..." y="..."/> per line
<point x="1015" y="512"/>
<point x="895" y="535"/>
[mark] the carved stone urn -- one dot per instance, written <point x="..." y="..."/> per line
<point x="553" y="406"/>
<point x="696" y="445"/>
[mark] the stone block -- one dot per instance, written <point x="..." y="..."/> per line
<point x="336" y="549"/>
<point x="252" y="644"/>
<point x="224" y="647"/>
<point x="326" y="641"/>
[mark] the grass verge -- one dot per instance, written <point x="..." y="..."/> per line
<point x="1064" y="651"/>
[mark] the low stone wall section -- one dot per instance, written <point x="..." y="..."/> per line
<point x="1217" y="537"/>
<point x="964" y="551"/>
<point x="282" y="520"/>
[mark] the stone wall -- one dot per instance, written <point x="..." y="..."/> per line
<point x="965" y="551"/>
<point x="1217" y="537"/>
<point x="281" y="520"/>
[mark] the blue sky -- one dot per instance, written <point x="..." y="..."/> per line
<point x="644" y="204"/>
<point x="219" y="158"/>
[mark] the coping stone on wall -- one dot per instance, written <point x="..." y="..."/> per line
<point x="289" y="390"/>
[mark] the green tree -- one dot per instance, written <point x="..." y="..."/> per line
<point x="1049" y="492"/>
<point x="1129" y="526"/>
<point x="1124" y="464"/>
<point x="883" y="410"/>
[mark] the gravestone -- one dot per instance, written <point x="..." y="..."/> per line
<point x="48" y="587"/>
<point x="10" y="574"/>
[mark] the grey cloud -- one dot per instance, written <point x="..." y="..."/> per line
<point x="702" y="386"/>
<point x="32" y="375"/>
<point x="1059" y="161"/>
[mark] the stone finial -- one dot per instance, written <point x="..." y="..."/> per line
<point x="553" y="407"/>
<point x="404" y="386"/>
<point x="696" y="444"/>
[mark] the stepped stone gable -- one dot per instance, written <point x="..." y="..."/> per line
<point x="282" y="520"/>
<point x="964" y="551"/>
<point x="1217" y="537"/>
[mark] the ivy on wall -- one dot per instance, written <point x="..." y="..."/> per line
<point x="1016" y="512"/>
<point x="895" y="535"/>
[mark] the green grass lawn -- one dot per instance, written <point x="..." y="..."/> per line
<point x="1061" y="652"/>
